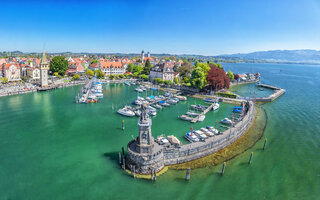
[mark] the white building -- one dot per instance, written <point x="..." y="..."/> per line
<point x="163" y="71"/>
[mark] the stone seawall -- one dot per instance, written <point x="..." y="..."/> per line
<point x="197" y="150"/>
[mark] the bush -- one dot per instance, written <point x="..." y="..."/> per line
<point x="111" y="77"/>
<point x="144" y="77"/>
<point x="75" y="77"/>
<point x="121" y="76"/>
<point x="167" y="82"/>
<point x="227" y="94"/>
<point x="157" y="80"/>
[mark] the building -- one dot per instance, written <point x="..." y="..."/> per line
<point x="110" y="67"/>
<point x="148" y="55"/>
<point x="33" y="73"/>
<point x="11" y="71"/>
<point x="163" y="71"/>
<point x="44" y="67"/>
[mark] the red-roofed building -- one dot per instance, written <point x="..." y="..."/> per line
<point x="11" y="71"/>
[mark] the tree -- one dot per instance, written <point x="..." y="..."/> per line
<point x="175" y="68"/>
<point x="59" y="64"/>
<point x="137" y="69"/>
<point x="198" y="78"/>
<point x="56" y="74"/>
<point x="144" y="77"/>
<point x="75" y="77"/>
<point x="185" y="70"/>
<point x="130" y="67"/>
<point x="89" y="72"/>
<point x="111" y="77"/>
<point x="94" y="61"/>
<point x="167" y="82"/>
<point x="157" y="80"/>
<point x="236" y="76"/>
<point x="176" y="80"/>
<point x="4" y="80"/>
<point x="99" y="73"/>
<point x="230" y="74"/>
<point x="121" y="76"/>
<point x="217" y="78"/>
<point x="147" y="67"/>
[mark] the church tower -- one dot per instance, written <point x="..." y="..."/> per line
<point x="142" y="56"/>
<point x="145" y="139"/>
<point x="44" y="67"/>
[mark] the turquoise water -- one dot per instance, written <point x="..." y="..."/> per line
<point x="52" y="148"/>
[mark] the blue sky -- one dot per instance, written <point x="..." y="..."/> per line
<point x="160" y="26"/>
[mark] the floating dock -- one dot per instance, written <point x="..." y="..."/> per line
<point x="194" y="120"/>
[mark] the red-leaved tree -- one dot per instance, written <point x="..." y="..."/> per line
<point x="217" y="78"/>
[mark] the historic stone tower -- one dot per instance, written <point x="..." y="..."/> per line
<point x="143" y="152"/>
<point x="44" y="67"/>
<point x="142" y="56"/>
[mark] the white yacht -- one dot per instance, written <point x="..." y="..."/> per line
<point x="126" y="112"/>
<point x="201" y="118"/>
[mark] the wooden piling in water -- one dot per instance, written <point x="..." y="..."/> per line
<point x="120" y="161"/>
<point x="122" y="151"/>
<point x="250" y="158"/>
<point x="151" y="174"/>
<point x="123" y="163"/>
<point x="223" y="167"/>
<point x="134" y="171"/>
<point x="155" y="175"/>
<point x="265" y="143"/>
<point x="188" y="174"/>
<point x="122" y="124"/>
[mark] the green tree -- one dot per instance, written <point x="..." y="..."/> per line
<point x="230" y="74"/>
<point x="157" y="80"/>
<point x="94" y="61"/>
<point x="75" y="77"/>
<point x="56" y="74"/>
<point x="4" y="80"/>
<point x="99" y="73"/>
<point x="167" y="82"/>
<point x="111" y="77"/>
<point x="89" y="72"/>
<point x="175" y="68"/>
<point x="137" y="69"/>
<point x="186" y="80"/>
<point x="185" y="70"/>
<point x="59" y="64"/>
<point x="198" y="78"/>
<point x="121" y="76"/>
<point x="130" y="67"/>
<point x="176" y="80"/>
<point x="144" y="77"/>
<point x="147" y="67"/>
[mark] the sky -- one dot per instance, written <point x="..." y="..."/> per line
<point x="211" y="27"/>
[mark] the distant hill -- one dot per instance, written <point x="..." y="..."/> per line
<point x="294" y="56"/>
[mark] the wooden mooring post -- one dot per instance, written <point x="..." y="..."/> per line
<point x="120" y="161"/>
<point x="122" y="124"/>
<point x="155" y="175"/>
<point x="151" y="174"/>
<point x="265" y="143"/>
<point x="188" y="174"/>
<point x="223" y="168"/>
<point x="123" y="163"/>
<point x="134" y="171"/>
<point x="250" y="158"/>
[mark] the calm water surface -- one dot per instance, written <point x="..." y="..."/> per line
<point x="52" y="148"/>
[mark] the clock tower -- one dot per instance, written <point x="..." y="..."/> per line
<point x="44" y="67"/>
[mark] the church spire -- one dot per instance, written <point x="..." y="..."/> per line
<point x="44" y="59"/>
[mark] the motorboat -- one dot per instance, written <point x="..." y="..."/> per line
<point x="152" y="113"/>
<point x="157" y="106"/>
<point x="181" y="98"/>
<point x="209" y="100"/>
<point x="140" y="98"/>
<point x="127" y="83"/>
<point x="216" y="106"/>
<point x="185" y="117"/>
<point x="126" y="111"/>
<point x="200" y="134"/>
<point x="138" y="113"/>
<point x="237" y="111"/>
<point x="212" y="129"/>
<point x="168" y="94"/>
<point x="192" y="113"/>
<point x="176" y="99"/>
<point x="191" y="137"/>
<point x="207" y="132"/>
<point x="151" y="108"/>
<point x="171" y="101"/>
<point x="137" y="102"/>
<point x="201" y="118"/>
<point x="198" y="107"/>
<point x="163" y="103"/>
<point x="138" y="90"/>
<point x="162" y="140"/>
<point x="99" y="94"/>
<point x="226" y="121"/>
<point x="173" y="140"/>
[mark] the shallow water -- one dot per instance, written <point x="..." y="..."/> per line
<point x="52" y="148"/>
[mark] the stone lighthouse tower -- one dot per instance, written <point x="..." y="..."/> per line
<point x="44" y="67"/>
<point x="143" y="153"/>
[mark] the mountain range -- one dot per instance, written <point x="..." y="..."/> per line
<point x="290" y="56"/>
